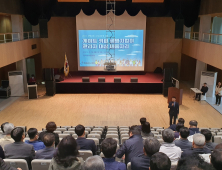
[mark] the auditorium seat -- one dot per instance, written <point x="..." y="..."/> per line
<point x="155" y="132"/>
<point x="173" y="165"/>
<point x="129" y="166"/>
<point x="117" y="140"/>
<point x="61" y="129"/>
<point x="112" y="136"/>
<point x="26" y="139"/>
<point x="58" y="132"/>
<point x="67" y="127"/>
<point x="103" y="127"/>
<point x="160" y="140"/>
<point x="112" y="129"/>
<point x="124" y="139"/>
<point x="98" y="136"/>
<point x="88" y="129"/>
<point x="21" y="163"/>
<point x="58" y="126"/>
<point x="71" y="129"/>
<point x="160" y="130"/>
<point x="95" y="140"/>
<point x="218" y="139"/>
<point x="218" y="133"/>
<point x="124" y="135"/>
<point x="40" y="164"/>
<point x="91" y="127"/>
<point x="69" y="132"/>
<point x="124" y="132"/>
<point x="63" y="135"/>
<point x="124" y="129"/>
<point x="85" y="154"/>
<point x="75" y="136"/>
<point x="158" y="136"/>
<point x="96" y="132"/>
<point x="112" y="132"/>
<point x="98" y="129"/>
<point x="203" y="128"/>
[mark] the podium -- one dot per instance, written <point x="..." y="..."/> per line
<point x="32" y="91"/>
<point x="175" y="92"/>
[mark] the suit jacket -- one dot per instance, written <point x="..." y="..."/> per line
<point x="141" y="162"/>
<point x="190" y="152"/>
<point x="204" y="90"/>
<point x="174" y="110"/>
<point x="131" y="148"/>
<point x="4" y="166"/>
<point x="20" y="150"/>
<point x="46" y="153"/>
<point x="86" y="144"/>
<point x="184" y="144"/>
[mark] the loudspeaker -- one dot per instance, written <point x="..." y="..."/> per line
<point x="134" y="80"/>
<point x="49" y="74"/>
<point x="50" y="88"/>
<point x="58" y="78"/>
<point x="117" y="79"/>
<point x="167" y="74"/>
<point x="165" y="92"/>
<point x="43" y="28"/>
<point x="101" y="80"/>
<point x="173" y="66"/>
<point x="85" y="79"/>
<point x="179" y="28"/>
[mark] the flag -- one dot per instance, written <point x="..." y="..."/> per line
<point x="66" y="67"/>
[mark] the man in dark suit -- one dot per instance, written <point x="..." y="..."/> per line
<point x="204" y="90"/>
<point x="83" y="143"/>
<point x="174" y="110"/>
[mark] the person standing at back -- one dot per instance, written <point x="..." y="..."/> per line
<point x="142" y="121"/>
<point x="218" y="93"/>
<point x="174" y="110"/>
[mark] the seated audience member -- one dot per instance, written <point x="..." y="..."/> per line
<point x="83" y="143"/>
<point x="193" y="127"/>
<point x="108" y="147"/>
<point x="19" y="149"/>
<point x="193" y="162"/>
<point x="204" y="90"/>
<point x="33" y="135"/>
<point x="94" y="163"/>
<point x="48" y="151"/>
<point x="2" y="154"/>
<point x="169" y="147"/>
<point x="177" y="132"/>
<point x="173" y="126"/>
<point x="208" y="136"/>
<point x="4" y="166"/>
<point x="65" y="157"/>
<point x="50" y="128"/>
<point x="2" y="128"/>
<point x="183" y="142"/>
<point x="150" y="146"/>
<point x="146" y="132"/>
<point x="8" y="127"/>
<point x="198" y="146"/>
<point x="142" y="121"/>
<point x="132" y="147"/>
<point x="160" y="161"/>
<point x="216" y="159"/>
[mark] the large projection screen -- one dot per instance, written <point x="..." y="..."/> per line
<point x="129" y="42"/>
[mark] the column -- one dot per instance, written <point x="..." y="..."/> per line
<point x="200" y="66"/>
<point x="205" y="27"/>
<point x="17" y="26"/>
<point x="21" y="66"/>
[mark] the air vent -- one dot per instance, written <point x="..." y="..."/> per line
<point x="15" y="73"/>
<point x="209" y="74"/>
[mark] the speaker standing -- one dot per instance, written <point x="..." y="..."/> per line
<point x="174" y="110"/>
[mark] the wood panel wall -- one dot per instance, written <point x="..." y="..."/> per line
<point x="188" y="68"/>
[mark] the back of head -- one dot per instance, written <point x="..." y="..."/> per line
<point x="109" y="146"/>
<point x="142" y="120"/>
<point x="199" y="139"/>
<point x="178" y="126"/>
<point x="94" y="163"/>
<point x="207" y="134"/>
<point x="184" y="132"/>
<point x="8" y="127"/>
<point x="135" y="130"/>
<point x="193" y="123"/>
<point x="17" y="133"/>
<point x="79" y="129"/>
<point x="32" y="132"/>
<point x="48" y="139"/>
<point x="51" y="127"/>
<point x="146" y="127"/>
<point x="216" y="159"/>
<point x="2" y="126"/>
<point x="219" y="146"/>
<point x="168" y="135"/>
<point x="67" y="152"/>
<point x="160" y="161"/>
<point x="193" y="162"/>
<point x="151" y="146"/>
<point x="181" y="120"/>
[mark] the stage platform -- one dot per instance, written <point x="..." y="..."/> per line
<point x="147" y="83"/>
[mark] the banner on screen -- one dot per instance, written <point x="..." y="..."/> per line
<point x="128" y="49"/>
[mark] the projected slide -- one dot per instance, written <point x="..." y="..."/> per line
<point x="128" y="49"/>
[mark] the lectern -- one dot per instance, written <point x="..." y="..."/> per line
<point x="175" y="92"/>
<point x="32" y="91"/>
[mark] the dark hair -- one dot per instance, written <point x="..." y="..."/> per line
<point x="17" y="133"/>
<point x="193" y="162"/>
<point x="48" y="139"/>
<point x="146" y="127"/>
<point x="219" y="146"/>
<point x="151" y="146"/>
<point x="181" y="120"/>
<point x="51" y="127"/>
<point x="207" y="134"/>
<point x="79" y="129"/>
<point x="184" y="132"/>
<point x="168" y="135"/>
<point x="174" y="97"/>
<point x="193" y="123"/>
<point x="109" y="146"/>
<point x="67" y="152"/>
<point x="32" y="132"/>
<point x="179" y="126"/>
<point x="216" y="159"/>
<point x="160" y="161"/>
<point x="135" y="130"/>
<point x="205" y="83"/>
<point x="2" y="126"/>
<point x="142" y="120"/>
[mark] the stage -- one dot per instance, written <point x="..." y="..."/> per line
<point x="147" y="83"/>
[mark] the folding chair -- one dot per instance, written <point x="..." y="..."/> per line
<point x="112" y="132"/>
<point x="96" y="132"/>
<point x="63" y="135"/>
<point x="42" y="164"/>
<point x="69" y="132"/>
<point x="124" y="139"/>
<point x="61" y="129"/>
<point x="17" y="163"/>
<point x="58" y="132"/>
<point x="112" y="136"/>
<point x="129" y="166"/>
<point x="98" y="136"/>
<point x="218" y="139"/>
<point x="85" y="154"/>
